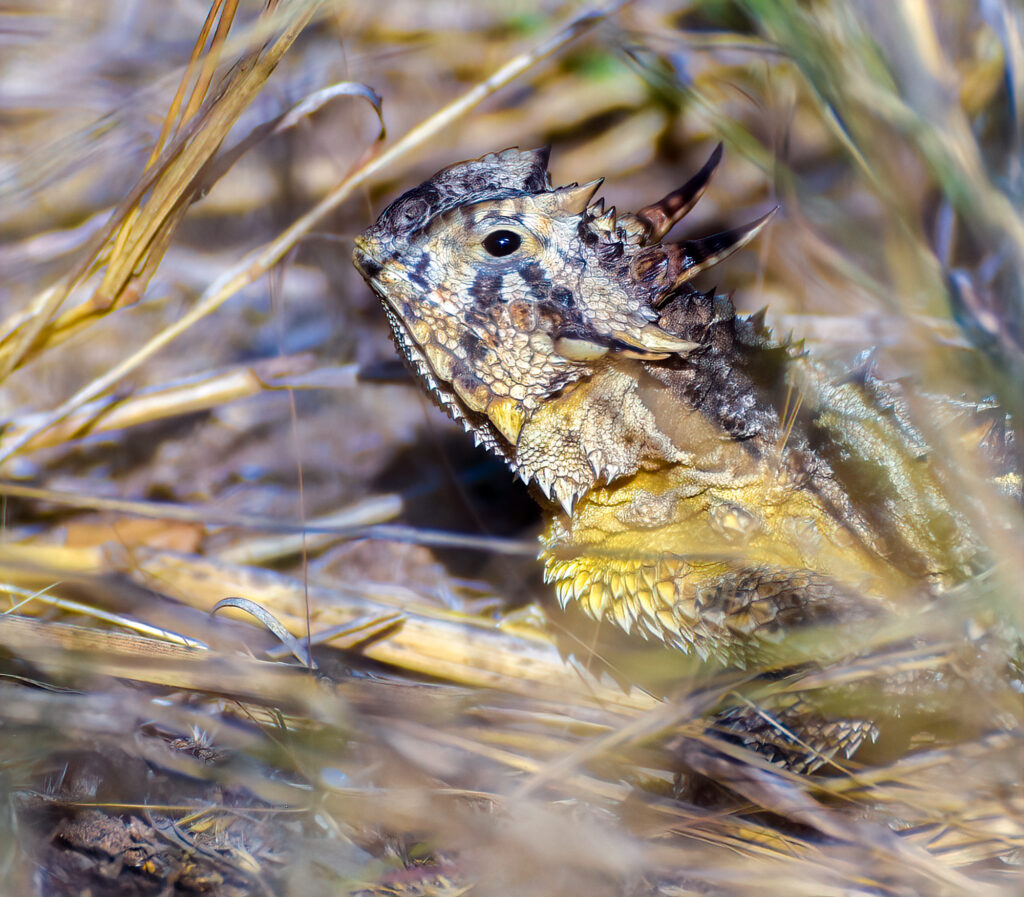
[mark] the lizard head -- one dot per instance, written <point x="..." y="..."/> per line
<point x="504" y="292"/>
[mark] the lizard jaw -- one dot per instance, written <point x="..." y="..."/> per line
<point x="483" y="432"/>
<point x="477" y="425"/>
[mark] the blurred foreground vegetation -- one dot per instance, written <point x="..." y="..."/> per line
<point x="200" y="401"/>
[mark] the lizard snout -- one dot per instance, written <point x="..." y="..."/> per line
<point x="364" y="260"/>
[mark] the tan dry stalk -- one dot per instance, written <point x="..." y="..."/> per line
<point x="259" y="261"/>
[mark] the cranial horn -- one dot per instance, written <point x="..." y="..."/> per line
<point x="568" y="201"/>
<point x="649" y="343"/>
<point x="708" y="251"/>
<point x="577" y="349"/>
<point x="539" y="161"/>
<point x="680" y="262"/>
<point x="662" y="215"/>
<point x="540" y="156"/>
<point x="537" y="157"/>
<point x="527" y="169"/>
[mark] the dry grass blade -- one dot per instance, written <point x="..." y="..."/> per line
<point x="76" y="607"/>
<point x="169" y="400"/>
<point x="261" y="260"/>
<point x="138" y="235"/>
<point x="300" y="652"/>
<point x="66" y="649"/>
<point x="431" y="642"/>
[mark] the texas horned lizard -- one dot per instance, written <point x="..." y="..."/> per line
<point x="705" y="485"/>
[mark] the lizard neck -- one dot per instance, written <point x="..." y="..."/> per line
<point x="609" y="426"/>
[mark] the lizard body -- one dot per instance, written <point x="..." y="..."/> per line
<point x="704" y="485"/>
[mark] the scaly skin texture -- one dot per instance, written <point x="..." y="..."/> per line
<point x="705" y="486"/>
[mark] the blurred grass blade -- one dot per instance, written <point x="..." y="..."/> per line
<point x="297" y="648"/>
<point x="258" y="262"/>
<point x="140" y="231"/>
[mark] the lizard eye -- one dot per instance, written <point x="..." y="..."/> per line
<point x="502" y="242"/>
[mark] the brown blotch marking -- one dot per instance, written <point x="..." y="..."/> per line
<point x="472" y="348"/>
<point x="536" y="279"/>
<point x="522" y="315"/>
<point x="563" y="296"/>
<point x="417" y="274"/>
<point x="371" y="268"/>
<point x="586" y="233"/>
<point x="650" y="266"/>
<point x="470" y="386"/>
<point x="607" y="253"/>
<point x="486" y="288"/>
<point x="568" y="322"/>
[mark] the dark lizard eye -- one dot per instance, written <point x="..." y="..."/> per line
<point x="502" y="242"/>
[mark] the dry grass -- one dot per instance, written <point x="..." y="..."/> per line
<point x="199" y="402"/>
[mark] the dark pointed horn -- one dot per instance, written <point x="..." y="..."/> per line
<point x="709" y="251"/>
<point x="662" y="215"/>
<point x="539" y="161"/>
<point x="664" y="267"/>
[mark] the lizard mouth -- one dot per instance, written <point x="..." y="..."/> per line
<point x="365" y="262"/>
<point x="438" y="387"/>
